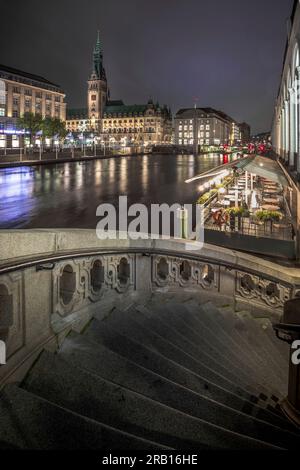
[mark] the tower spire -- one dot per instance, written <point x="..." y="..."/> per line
<point x="98" y="58"/>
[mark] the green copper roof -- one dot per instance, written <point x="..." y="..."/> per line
<point x="98" y="68"/>
<point x="126" y="109"/>
<point x="78" y="113"/>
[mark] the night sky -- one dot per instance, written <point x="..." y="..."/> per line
<point x="226" y="53"/>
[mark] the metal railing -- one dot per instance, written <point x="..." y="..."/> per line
<point x="267" y="230"/>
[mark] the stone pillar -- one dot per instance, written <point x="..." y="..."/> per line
<point x="291" y="127"/>
<point x="297" y="119"/>
<point x="22" y="101"/>
<point x="286" y="130"/>
<point x="283" y="132"/>
<point x="43" y="104"/>
<point x="9" y="102"/>
<point x="33" y="102"/>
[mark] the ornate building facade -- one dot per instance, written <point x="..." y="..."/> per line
<point x="113" y="122"/>
<point x="286" y="128"/>
<point x="22" y="92"/>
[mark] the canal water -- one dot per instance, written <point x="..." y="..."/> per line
<point x="66" y="195"/>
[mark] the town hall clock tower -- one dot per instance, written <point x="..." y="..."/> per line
<point x="97" y="87"/>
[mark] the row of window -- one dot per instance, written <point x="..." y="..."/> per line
<point x="191" y="142"/>
<point x="190" y="121"/>
<point x="191" y="134"/>
<point x="38" y="94"/>
<point x="129" y="130"/>
<point x="120" y="121"/>
<point x="191" y="127"/>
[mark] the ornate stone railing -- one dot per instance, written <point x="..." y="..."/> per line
<point x="52" y="281"/>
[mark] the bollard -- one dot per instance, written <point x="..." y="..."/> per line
<point x="182" y="214"/>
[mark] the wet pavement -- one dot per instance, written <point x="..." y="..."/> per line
<point x="67" y="195"/>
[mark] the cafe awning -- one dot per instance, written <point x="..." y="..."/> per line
<point x="264" y="167"/>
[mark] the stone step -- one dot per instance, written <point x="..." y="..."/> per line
<point x="206" y="316"/>
<point x="262" y="350"/>
<point x="143" y="332"/>
<point x="72" y="388"/>
<point x="254" y="335"/>
<point x="101" y="333"/>
<point x="282" y="347"/>
<point x="110" y="366"/>
<point x="31" y="422"/>
<point x="180" y="320"/>
<point x="219" y="348"/>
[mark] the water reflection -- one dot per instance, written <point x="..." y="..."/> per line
<point x="67" y="195"/>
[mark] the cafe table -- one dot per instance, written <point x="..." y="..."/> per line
<point x="268" y="207"/>
<point x="271" y="200"/>
<point x="271" y="191"/>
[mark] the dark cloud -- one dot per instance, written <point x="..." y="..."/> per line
<point x="227" y="53"/>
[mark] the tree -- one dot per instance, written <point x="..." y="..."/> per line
<point x="53" y="127"/>
<point x="31" y="123"/>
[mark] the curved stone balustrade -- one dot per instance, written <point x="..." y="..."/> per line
<point x="52" y="281"/>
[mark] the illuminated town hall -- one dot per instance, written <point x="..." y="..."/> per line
<point x="115" y="122"/>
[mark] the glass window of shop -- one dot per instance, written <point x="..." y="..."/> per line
<point x="2" y="141"/>
<point x="15" y="141"/>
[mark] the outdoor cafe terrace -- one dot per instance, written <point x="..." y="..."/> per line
<point x="248" y="205"/>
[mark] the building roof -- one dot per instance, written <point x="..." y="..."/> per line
<point x="125" y="109"/>
<point x="19" y="73"/>
<point x="77" y="113"/>
<point x="118" y="107"/>
<point x="115" y="103"/>
<point x="190" y="112"/>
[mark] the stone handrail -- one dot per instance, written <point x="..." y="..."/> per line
<point x="53" y="280"/>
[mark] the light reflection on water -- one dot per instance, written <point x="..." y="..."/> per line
<point x="67" y="195"/>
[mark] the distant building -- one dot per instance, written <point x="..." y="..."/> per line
<point x="205" y="127"/>
<point x="245" y="132"/>
<point x="114" y="122"/>
<point x="22" y="92"/>
<point x="137" y="124"/>
<point x="262" y="138"/>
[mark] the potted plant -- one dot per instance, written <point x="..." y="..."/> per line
<point x="240" y="213"/>
<point x="265" y="216"/>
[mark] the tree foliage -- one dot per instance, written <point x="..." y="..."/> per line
<point x="34" y="123"/>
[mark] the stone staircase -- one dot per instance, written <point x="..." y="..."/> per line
<point x="171" y="373"/>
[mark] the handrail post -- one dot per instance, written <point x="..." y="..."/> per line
<point x="288" y="330"/>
